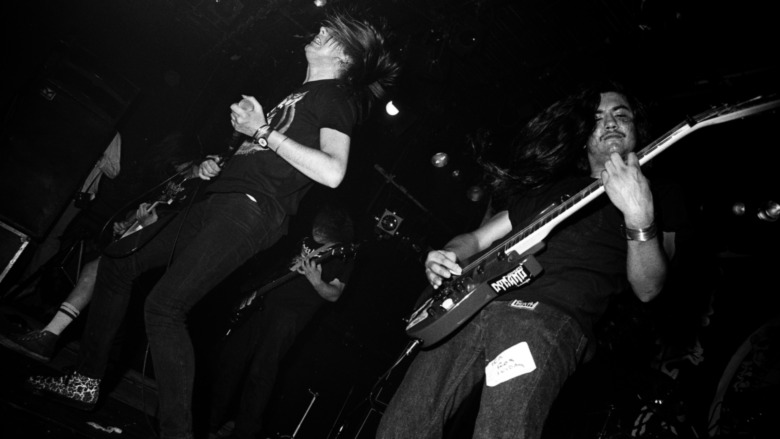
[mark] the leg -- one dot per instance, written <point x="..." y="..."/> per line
<point x="81" y="294"/>
<point x="111" y="296"/>
<point x="231" y="229"/>
<point x="231" y="367"/>
<point x="275" y="332"/>
<point x="40" y="344"/>
<point x="112" y="293"/>
<point x="436" y="383"/>
<point x="518" y="407"/>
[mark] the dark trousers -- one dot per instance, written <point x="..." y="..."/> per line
<point x="439" y="379"/>
<point x="250" y="358"/>
<point x="217" y="235"/>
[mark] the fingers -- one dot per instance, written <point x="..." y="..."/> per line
<point x="310" y="268"/>
<point x="441" y="265"/>
<point x="253" y="102"/>
<point x="208" y="169"/>
<point x="247" y="115"/>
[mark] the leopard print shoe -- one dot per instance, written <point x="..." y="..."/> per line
<point x="72" y="389"/>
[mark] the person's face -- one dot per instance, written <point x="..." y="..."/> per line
<point x="324" y="46"/>
<point x="319" y="237"/>
<point x="614" y="132"/>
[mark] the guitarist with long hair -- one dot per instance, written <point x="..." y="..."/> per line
<point x="250" y="356"/>
<point x="254" y="189"/>
<point x="523" y="345"/>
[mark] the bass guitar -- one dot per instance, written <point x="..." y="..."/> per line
<point x="510" y="263"/>
<point x="253" y="300"/>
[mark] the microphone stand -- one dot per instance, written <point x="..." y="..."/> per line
<point x="411" y="347"/>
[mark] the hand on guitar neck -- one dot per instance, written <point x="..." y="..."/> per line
<point x="145" y="216"/>
<point x="298" y="261"/>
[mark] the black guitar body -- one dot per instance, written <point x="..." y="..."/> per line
<point x="130" y="244"/>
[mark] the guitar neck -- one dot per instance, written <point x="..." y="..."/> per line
<point x="322" y="258"/>
<point x="534" y="233"/>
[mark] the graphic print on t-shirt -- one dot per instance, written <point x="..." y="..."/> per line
<point x="285" y="119"/>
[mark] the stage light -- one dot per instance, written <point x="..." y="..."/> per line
<point x="391" y="109"/>
<point x="320" y="3"/>
<point x="389" y="222"/>
<point x="475" y="193"/>
<point x="440" y="159"/>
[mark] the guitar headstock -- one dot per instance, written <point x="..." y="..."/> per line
<point x="727" y="112"/>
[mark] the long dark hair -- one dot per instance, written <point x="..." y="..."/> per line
<point x="373" y="69"/>
<point x="551" y="145"/>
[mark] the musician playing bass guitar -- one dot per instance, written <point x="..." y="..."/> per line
<point x="249" y="360"/>
<point x="521" y="347"/>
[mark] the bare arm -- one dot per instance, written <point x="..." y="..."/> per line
<point x="441" y="264"/>
<point x="326" y="165"/>
<point x="629" y="191"/>
<point x="328" y="291"/>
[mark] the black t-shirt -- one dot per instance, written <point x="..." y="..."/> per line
<point x="299" y="293"/>
<point x="584" y="260"/>
<point x="261" y="173"/>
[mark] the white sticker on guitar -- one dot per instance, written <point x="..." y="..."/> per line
<point x="511" y="363"/>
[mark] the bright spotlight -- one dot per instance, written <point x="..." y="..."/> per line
<point x="440" y="159"/>
<point x="391" y="108"/>
<point x="320" y="3"/>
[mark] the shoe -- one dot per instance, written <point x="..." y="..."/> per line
<point x="38" y="344"/>
<point x="73" y="389"/>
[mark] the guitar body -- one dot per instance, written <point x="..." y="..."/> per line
<point x="510" y="263"/>
<point x="130" y="243"/>
<point x="175" y="191"/>
<point x="458" y="299"/>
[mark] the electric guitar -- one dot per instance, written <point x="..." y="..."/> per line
<point x="511" y="264"/>
<point x="175" y="190"/>
<point x="252" y="300"/>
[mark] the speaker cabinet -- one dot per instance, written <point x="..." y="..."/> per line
<point x="57" y="128"/>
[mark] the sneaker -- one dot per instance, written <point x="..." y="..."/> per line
<point x="36" y="344"/>
<point x="73" y="389"/>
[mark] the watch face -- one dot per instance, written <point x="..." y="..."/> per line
<point x="262" y="142"/>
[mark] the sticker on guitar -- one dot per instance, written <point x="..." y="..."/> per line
<point x="494" y="270"/>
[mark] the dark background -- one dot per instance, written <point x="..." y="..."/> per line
<point x="148" y="67"/>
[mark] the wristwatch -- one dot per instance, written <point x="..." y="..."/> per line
<point x="261" y="135"/>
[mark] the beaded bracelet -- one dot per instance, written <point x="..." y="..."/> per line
<point x="641" y="235"/>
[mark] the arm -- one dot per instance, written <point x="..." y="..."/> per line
<point x="629" y="191"/>
<point x="328" y="291"/>
<point x="326" y="165"/>
<point x="443" y="263"/>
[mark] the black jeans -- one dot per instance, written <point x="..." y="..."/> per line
<point x="217" y="235"/>
<point x="249" y="362"/>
